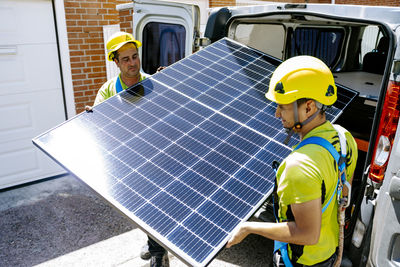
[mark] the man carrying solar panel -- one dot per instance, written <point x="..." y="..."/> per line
<point x="308" y="196"/>
<point x="122" y="49"/>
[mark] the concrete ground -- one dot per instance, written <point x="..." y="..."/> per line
<point x="60" y="222"/>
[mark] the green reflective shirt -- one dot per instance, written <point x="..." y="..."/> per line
<point x="301" y="177"/>
<point x="109" y="88"/>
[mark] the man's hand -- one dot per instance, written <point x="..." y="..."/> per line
<point x="88" y="108"/>
<point x="160" y="68"/>
<point x="238" y="236"/>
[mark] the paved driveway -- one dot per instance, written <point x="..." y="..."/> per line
<point x="60" y="222"/>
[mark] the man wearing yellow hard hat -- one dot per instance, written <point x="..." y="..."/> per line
<point x="122" y="48"/>
<point x="309" y="181"/>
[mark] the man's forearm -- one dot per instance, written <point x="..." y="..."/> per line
<point x="304" y="230"/>
<point x="285" y="232"/>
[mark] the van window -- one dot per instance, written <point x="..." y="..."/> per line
<point x="322" y="43"/>
<point x="374" y="50"/>
<point x="258" y="37"/>
<point x="163" y="45"/>
<point x="370" y="39"/>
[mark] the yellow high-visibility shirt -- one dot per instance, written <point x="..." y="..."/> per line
<point x="109" y="88"/>
<point x="301" y="177"/>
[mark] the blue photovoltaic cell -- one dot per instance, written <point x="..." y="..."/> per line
<point x="186" y="153"/>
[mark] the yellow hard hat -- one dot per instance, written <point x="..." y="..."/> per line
<point x="302" y="77"/>
<point x="117" y="40"/>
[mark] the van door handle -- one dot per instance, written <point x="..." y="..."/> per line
<point x="8" y="50"/>
<point x="394" y="187"/>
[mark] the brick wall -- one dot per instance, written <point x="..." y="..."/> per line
<point x="217" y="3"/>
<point x="84" y="19"/>
<point x="126" y="20"/>
<point x="370" y="2"/>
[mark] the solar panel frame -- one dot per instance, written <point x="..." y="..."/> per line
<point x="172" y="125"/>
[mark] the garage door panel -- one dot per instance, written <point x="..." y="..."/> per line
<point x="21" y="162"/>
<point x="30" y="69"/>
<point x="18" y="160"/>
<point x="21" y="121"/>
<point x="19" y="21"/>
<point x="27" y="115"/>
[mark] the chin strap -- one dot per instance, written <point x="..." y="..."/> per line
<point x="298" y="125"/>
<point x="289" y="132"/>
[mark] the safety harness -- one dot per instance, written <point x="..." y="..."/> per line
<point x="342" y="201"/>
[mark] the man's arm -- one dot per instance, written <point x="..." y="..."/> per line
<point x="304" y="230"/>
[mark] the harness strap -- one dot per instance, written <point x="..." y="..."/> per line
<point x="282" y="247"/>
<point x="118" y="85"/>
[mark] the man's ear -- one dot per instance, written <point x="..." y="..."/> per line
<point x="116" y="61"/>
<point x="310" y="106"/>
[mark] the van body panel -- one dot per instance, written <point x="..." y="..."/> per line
<point x="389" y="15"/>
<point x="385" y="239"/>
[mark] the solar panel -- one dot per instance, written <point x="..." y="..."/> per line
<point x="187" y="153"/>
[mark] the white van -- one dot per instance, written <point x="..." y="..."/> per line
<point x="359" y="44"/>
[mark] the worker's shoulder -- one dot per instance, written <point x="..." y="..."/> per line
<point x="109" y="82"/>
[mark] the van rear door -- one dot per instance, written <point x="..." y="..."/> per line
<point x="167" y="30"/>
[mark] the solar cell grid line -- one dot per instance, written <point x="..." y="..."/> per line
<point x="200" y="60"/>
<point x="243" y="116"/>
<point x="216" y="137"/>
<point x="153" y="196"/>
<point x="176" y="153"/>
<point x="210" y="98"/>
<point x="161" y="202"/>
<point x="330" y="114"/>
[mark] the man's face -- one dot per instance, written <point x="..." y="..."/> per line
<point x="286" y="113"/>
<point x="128" y="61"/>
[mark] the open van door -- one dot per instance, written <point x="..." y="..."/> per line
<point x="385" y="239"/>
<point x="168" y="32"/>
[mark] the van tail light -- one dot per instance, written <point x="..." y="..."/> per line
<point x="386" y="132"/>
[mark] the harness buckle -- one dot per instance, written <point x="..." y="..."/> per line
<point x="275" y="165"/>
<point x="344" y="201"/>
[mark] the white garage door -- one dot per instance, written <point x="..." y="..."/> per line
<point x="31" y="98"/>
